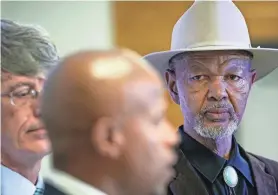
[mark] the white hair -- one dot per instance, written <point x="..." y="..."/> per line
<point x="26" y="49"/>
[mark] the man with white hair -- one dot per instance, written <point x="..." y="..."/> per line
<point x="27" y="54"/>
<point x="209" y="72"/>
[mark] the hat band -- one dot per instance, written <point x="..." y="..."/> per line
<point x="214" y="45"/>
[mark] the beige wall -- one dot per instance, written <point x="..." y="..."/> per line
<point x="72" y="25"/>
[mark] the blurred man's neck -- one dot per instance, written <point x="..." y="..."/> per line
<point x="92" y="171"/>
<point x="28" y="170"/>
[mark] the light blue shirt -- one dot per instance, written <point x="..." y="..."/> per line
<point x="71" y="185"/>
<point x="14" y="184"/>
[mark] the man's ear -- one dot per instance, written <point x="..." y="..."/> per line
<point x="253" y="76"/>
<point x="170" y="78"/>
<point x="107" y="137"/>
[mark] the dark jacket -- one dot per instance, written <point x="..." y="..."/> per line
<point x="188" y="182"/>
<point x="51" y="190"/>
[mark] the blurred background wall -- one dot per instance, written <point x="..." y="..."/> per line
<point x="72" y="25"/>
<point x="146" y="27"/>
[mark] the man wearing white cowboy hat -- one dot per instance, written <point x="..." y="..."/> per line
<point x="209" y="72"/>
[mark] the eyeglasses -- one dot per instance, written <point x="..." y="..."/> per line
<point x="22" y="95"/>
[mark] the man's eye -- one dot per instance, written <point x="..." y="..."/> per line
<point x="234" y="77"/>
<point x="21" y="92"/>
<point x="198" y="77"/>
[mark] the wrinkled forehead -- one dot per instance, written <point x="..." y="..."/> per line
<point x="215" y="60"/>
<point x="6" y="75"/>
<point x="10" y="79"/>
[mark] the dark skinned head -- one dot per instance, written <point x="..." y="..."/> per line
<point x="104" y="111"/>
<point x="212" y="89"/>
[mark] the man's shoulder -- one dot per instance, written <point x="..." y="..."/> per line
<point x="52" y="190"/>
<point x="271" y="166"/>
<point x="265" y="160"/>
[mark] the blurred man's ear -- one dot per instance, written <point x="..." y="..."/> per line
<point x="170" y="78"/>
<point x="107" y="137"/>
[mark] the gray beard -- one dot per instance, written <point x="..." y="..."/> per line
<point x="216" y="132"/>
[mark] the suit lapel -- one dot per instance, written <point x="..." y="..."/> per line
<point x="187" y="181"/>
<point x="51" y="190"/>
<point x="265" y="183"/>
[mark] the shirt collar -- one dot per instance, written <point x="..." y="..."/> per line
<point x="10" y="179"/>
<point x="206" y="162"/>
<point x="238" y="161"/>
<point x="70" y="184"/>
<point x="210" y="164"/>
<point x="40" y="183"/>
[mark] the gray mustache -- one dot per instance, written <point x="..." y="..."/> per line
<point x="227" y="106"/>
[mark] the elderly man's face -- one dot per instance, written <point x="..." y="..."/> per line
<point x="212" y="90"/>
<point x="23" y="135"/>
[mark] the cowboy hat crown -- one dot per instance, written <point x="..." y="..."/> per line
<point x="205" y="30"/>
<point x="214" y="25"/>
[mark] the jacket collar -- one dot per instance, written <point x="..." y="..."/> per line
<point x="187" y="180"/>
<point x="210" y="164"/>
<point x="264" y="182"/>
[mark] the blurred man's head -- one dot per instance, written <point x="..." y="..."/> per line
<point x="212" y="89"/>
<point x="26" y="56"/>
<point x="107" y="120"/>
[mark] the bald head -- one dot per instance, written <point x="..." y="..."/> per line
<point x="105" y="113"/>
<point x="90" y="85"/>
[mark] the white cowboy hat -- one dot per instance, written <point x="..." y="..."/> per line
<point x="214" y="25"/>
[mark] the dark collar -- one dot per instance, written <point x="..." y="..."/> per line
<point x="210" y="164"/>
<point x="239" y="161"/>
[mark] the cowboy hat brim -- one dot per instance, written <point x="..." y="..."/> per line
<point x="265" y="59"/>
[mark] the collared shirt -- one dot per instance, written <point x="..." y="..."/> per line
<point x="210" y="167"/>
<point x="14" y="183"/>
<point x="71" y="185"/>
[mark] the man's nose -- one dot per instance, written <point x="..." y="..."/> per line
<point x="171" y="136"/>
<point x="217" y="89"/>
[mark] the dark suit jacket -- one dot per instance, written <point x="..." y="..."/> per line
<point x="188" y="182"/>
<point x="51" y="190"/>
